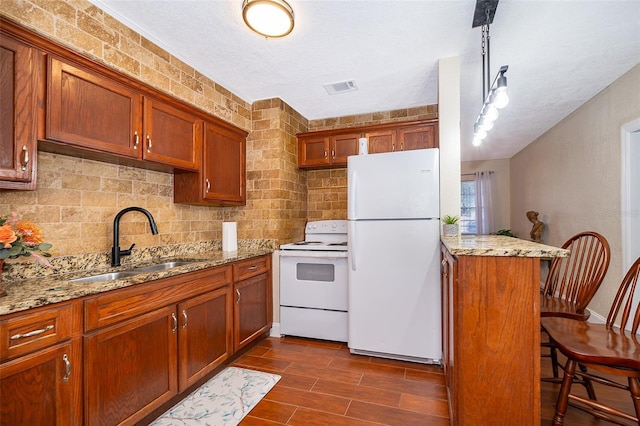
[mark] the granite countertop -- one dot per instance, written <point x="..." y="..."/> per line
<point x="499" y="245"/>
<point x="32" y="292"/>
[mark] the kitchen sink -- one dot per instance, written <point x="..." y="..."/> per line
<point x="160" y="266"/>
<point x="109" y="276"/>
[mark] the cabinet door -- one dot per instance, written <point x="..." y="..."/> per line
<point x="252" y="313"/>
<point x="206" y="338"/>
<point x="343" y="146"/>
<point x="19" y="71"/>
<point x="92" y="111"/>
<point x="224" y="166"/>
<point x="42" y="388"/>
<point x="313" y="151"/>
<point x="131" y="368"/>
<point x="382" y="141"/>
<point x="171" y="136"/>
<point x="417" y="137"/>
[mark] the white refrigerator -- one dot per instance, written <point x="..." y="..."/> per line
<point x="394" y="255"/>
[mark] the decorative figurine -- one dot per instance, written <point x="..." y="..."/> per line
<point x="536" y="231"/>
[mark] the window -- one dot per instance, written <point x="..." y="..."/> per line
<point x="468" y="222"/>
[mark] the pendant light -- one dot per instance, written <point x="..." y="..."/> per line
<point x="494" y="95"/>
<point x="269" y="18"/>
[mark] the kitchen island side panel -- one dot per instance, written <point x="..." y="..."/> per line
<point x="496" y="360"/>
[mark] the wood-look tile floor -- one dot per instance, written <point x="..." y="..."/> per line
<point x="323" y="384"/>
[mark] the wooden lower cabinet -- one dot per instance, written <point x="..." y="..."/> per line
<point x="131" y="368"/>
<point x="43" y="388"/>
<point x="116" y="357"/>
<point x="205" y="338"/>
<point x="491" y="339"/>
<point x="253" y="311"/>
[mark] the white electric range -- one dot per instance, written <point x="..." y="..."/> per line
<point x="313" y="283"/>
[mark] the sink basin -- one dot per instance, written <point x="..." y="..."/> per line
<point x="104" y="277"/>
<point x="160" y="267"/>
<point x="131" y="272"/>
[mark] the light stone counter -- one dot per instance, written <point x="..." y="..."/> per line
<point x="26" y="289"/>
<point x="499" y="245"/>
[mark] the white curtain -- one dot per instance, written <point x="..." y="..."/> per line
<point x="484" y="202"/>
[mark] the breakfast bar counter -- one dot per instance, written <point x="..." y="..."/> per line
<point x="491" y="328"/>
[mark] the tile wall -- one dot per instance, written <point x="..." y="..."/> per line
<point x="327" y="189"/>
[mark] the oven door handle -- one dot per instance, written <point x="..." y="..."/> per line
<point x="353" y="244"/>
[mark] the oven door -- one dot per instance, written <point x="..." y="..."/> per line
<point x="314" y="282"/>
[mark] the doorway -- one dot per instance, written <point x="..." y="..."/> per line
<point x="630" y="209"/>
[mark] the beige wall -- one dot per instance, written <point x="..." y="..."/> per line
<point x="572" y="176"/>
<point x="501" y="190"/>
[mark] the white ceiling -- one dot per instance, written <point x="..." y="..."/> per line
<point x="560" y="54"/>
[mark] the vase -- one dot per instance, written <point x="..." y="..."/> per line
<point x="450" y="229"/>
<point x="2" y="291"/>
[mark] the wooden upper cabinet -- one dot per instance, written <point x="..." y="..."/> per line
<point x="383" y="140"/>
<point x="327" y="150"/>
<point x="222" y="179"/>
<point x="171" y="136"/>
<point x="92" y="111"/>
<point x="330" y="148"/>
<point x="313" y="151"/>
<point x="20" y="71"/>
<point x="343" y="146"/>
<point x="418" y="137"/>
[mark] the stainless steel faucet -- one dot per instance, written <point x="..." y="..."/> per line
<point x="115" y="250"/>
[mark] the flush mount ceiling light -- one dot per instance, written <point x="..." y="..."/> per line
<point x="494" y="94"/>
<point x="269" y="18"/>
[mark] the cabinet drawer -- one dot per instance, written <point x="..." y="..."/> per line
<point x="251" y="267"/>
<point x="27" y="333"/>
<point x="120" y="305"/>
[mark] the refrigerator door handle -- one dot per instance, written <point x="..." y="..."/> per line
<point x="353" y="195"/>
<point x="352" y="244"/>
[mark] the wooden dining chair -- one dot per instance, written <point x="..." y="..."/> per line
<point x="573" y="281"/>
<point x="604" y="348"/>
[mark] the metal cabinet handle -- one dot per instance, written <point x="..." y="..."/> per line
<point x="184" y="315"/>
<point x="31" y="333"/>
<point x="67" y="368"/>
<point x="237" y="295"/>
<point x="333" y="153"/>
<point x="208" y="185"/>
<point x="149" y="144"/>
<point x="137" y="140"/>
<point x="25" y="157"/>
<point x="253" y="268"/>
<point x="393" y="147"/>
<point x="175" y="322"/>
<point x="445" y="270"/>
<point x="402" y="147"/>
<point x="325" y="154"/>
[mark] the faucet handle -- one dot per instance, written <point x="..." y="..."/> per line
<point x="127" y="252"/>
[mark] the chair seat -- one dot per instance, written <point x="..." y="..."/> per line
<point x="594" y="344"/>
<point x="556" y="307"/>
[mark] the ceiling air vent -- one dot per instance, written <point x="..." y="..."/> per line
<point x="340" y="87"/>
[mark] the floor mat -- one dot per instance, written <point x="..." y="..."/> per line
<point x="223" y="400"/>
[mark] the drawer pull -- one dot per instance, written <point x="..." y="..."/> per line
<point x="184" y="314"/>
<point x="238" y="296"/>
<point x="175" y="322"/>
<point x="253" y="268"/>
<point x="67" y="367"/>
<point x="31" y="333"/>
